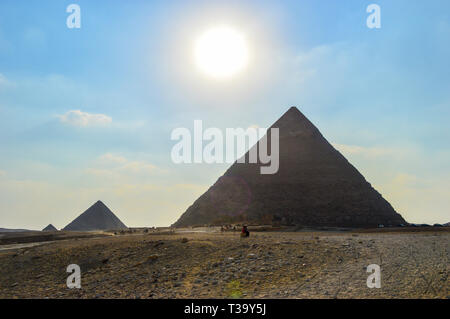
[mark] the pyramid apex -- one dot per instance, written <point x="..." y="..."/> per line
<point x="293" y="111"/>
<point x="293" y="121"/>
<point x="99" y="204"/>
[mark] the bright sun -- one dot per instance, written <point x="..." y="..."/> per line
<point x="221" y="52"/>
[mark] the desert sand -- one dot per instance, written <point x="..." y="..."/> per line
<point x="223" y="265"/>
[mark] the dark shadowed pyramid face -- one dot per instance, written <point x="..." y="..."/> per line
<point x="50" y="227"/>
<point x="97" y="217"/>
<point x="314" y="186"/>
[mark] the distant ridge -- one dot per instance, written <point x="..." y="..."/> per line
<point x="96" y="217"/>
<point x="50" y="227"/>
<point x="9" y="230"/>
<point x="315" y="186"/>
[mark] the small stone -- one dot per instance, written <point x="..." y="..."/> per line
<point x="152" y="258"/>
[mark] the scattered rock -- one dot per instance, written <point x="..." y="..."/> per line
<point x="158" y="243"/>
<point x="151" y="259"/>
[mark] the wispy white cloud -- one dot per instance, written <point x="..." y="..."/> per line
<point x="84" y="119"/>
<point x="5" y="82"/>
<point x="112" y="158"/>
<point x="119" y="168"/>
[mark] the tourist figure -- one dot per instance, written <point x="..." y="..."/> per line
<point x="245" y="232"/>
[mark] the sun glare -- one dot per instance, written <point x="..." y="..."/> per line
<point x="221" y="52"/>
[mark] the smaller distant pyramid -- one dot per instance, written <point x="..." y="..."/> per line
<point x="50" y="227"/>
<point x="96" y="217"/>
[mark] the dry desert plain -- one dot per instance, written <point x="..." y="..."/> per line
<point x="414" y="264"/>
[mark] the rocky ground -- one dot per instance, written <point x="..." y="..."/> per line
<point x="223" y="265"/>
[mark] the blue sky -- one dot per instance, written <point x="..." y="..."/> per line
<point x="382" y="97"/>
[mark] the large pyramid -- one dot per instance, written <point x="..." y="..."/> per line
<point x="314" y="186"/>
<point x="97" y="217"/>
